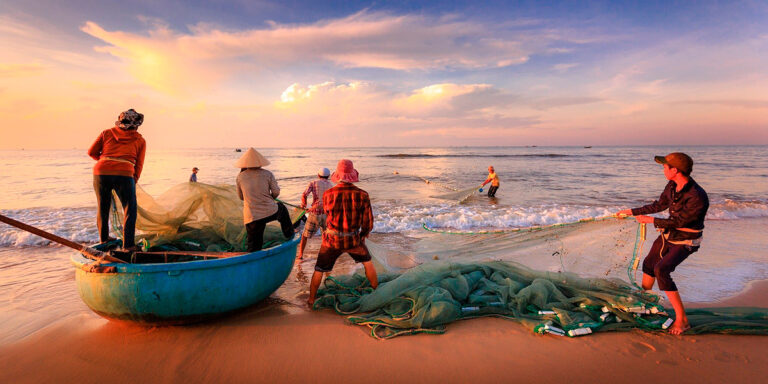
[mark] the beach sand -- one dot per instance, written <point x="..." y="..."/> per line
<point x="277" y="341"/>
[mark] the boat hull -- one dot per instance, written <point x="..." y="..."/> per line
<point x="178" y="293"/>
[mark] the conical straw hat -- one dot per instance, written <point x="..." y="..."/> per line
<point x="251" y="159"/>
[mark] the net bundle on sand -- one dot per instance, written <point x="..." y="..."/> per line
<point x="427" y="297"/>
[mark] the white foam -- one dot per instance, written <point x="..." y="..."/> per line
<point x="79" y="224"/>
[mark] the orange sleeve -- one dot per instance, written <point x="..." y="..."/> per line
<point x="139" y="160"/>
<point x="95" y="150"/>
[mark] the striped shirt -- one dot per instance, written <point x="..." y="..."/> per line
<point x="317" y="188"/>
<point x="350" y="217"/>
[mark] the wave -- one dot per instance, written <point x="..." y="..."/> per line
<point x="79" y="224"/>
<point x="429" y="156"/>
<point x="398" y="218"/>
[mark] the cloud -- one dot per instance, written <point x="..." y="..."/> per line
<point x="557" y="102"/>
<point x="741" y="103"/>
<point x="20" y="70"/>
<point x="178" y="61"/>
<point x="564" y="67"/>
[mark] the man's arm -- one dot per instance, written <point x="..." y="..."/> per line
<point x="95" y="150"/>
<point x="366" y="225"/>
<point x="273" y="187"/>
<point x="239" y="188"/>
<point x="140" y="161"/>
<point x="310" y="189"/>
<point x="488" y="180"/>
<point x="657" y="206"/>
<point x="694" y="208"/>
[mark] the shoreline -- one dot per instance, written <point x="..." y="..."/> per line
<point x="279" y="341"/>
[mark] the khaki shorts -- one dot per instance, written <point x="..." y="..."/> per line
<point x="314" y="222"/>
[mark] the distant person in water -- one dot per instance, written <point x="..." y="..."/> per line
<point x="193" y="176"/>
<point x="258" y="189"/>
<point x="681" y="233"/>
<point x="494" y="180"/>
<point x="316" y="217"/>
<point x="350" y="221"/>
<point x="119" y="154"/>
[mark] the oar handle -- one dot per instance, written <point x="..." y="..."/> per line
<point x="88" y="251"/>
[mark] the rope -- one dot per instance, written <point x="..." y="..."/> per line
<point x="633" y="263"/>
<point x="439" y="184"/>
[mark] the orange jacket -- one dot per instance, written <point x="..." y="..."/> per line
<point x="119" y="153"/>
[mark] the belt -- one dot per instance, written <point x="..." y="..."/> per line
<point x="342" y="234"/>
<point x="118" y="160"/>
<point x="691" y="242"/>
<point x="689" y="230"/>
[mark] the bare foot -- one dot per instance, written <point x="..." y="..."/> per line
<point x="679" y="327"/>
<point x="311" y="304"/>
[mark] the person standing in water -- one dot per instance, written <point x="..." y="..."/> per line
<point x="494" y="180"/>
<point x="316" y="218"/>
<point x="681" y="233"/>
<point x="258" y="189"/>
<point x="119" y="154"/>
<point x="193" y="176"/>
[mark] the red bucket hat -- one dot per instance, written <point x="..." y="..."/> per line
<point x="345" y="172"/>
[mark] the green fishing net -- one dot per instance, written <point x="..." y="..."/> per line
<point x="425" y="298"/>
<point x="196" y="217"/>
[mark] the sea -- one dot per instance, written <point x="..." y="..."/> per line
<point x="411" y="188"/>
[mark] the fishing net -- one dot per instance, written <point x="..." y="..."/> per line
<point x="565" y="279"/>
<point x="458" y="195"/>
<point x="196" y="217"/>
<point x="427" y="297"/>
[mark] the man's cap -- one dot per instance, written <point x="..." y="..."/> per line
<point x="195" y="169"/>
<point x="324" y="172"/>
<point x="678" y="160"/>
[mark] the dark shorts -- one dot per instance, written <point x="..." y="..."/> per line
<point x="492" y="191"/>
<point x="662" y="260"/>
<point x="327" y="256"/>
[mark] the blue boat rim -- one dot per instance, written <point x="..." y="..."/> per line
<point x="80" y="260"/>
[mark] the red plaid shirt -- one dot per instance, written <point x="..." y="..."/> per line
<point x="350" y="217"/>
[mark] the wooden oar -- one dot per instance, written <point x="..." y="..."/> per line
<point x="89" y="252"/>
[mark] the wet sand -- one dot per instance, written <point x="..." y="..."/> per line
<point x="278" y="341"/>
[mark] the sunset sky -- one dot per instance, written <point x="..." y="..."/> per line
<point x="376" y="73"/>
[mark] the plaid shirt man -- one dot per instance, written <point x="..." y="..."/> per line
<point x="350" y="217"/>
<point x="317" y="188"/>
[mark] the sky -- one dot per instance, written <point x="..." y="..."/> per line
<point x="375" y="73"/>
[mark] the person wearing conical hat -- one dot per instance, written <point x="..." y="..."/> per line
<point x="258" y="189"/>
<point x="119" y="154"/>
<point x="349" y="221"/>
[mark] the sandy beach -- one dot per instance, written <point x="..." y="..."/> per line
<point x="277" y="341"/>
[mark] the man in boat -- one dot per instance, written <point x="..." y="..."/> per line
<point x="494" y="180"/>
<point x="119" y="154"/>
<point x="349" y="222"/>
<point x="681" y="233"/>
<point x="316" y="218"/>
<point x="193" y="176"/>
<point x="258" y="189"/>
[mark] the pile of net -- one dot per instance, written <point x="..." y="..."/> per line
<point x="427" y="297"/>
<point x="196" y="217"/>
